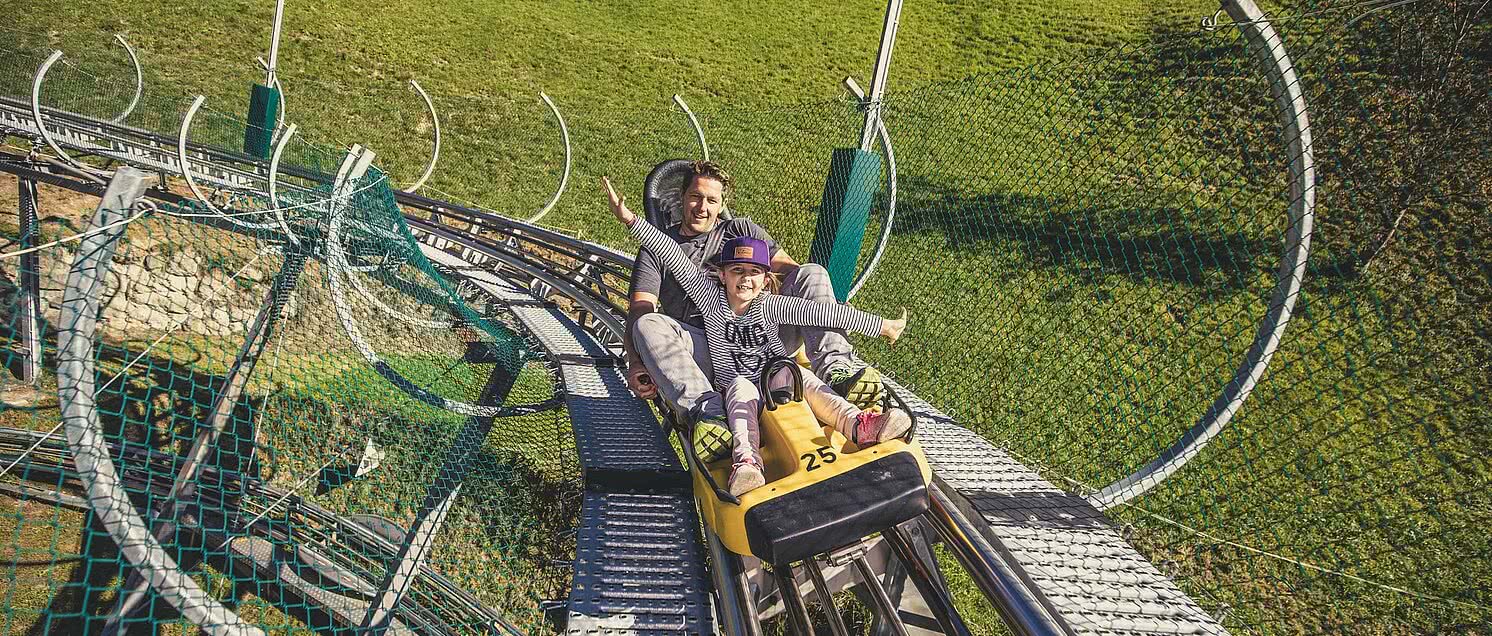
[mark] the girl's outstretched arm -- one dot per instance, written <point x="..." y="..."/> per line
<point x="700" y="289"/>
<point x="790" y="310"/>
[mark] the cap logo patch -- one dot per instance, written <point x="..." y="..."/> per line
<point x="743" y="251"/>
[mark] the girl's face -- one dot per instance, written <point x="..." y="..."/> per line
<point x="743" y="281"/>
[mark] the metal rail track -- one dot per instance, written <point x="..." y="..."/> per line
<point x="291" y="519"/>
<point x="1041" y="590"/>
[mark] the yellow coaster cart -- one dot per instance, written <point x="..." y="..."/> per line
<point x="823" y="499"/>
<point x="823" y="493"/>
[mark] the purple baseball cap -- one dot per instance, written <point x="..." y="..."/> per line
<point x="745" y="249"/>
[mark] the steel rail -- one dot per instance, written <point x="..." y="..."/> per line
<point x="1017" y="604"/>
<point x="573" y="282"/>
<point x="1289" y="96"/>
<point x="216" y="481"/>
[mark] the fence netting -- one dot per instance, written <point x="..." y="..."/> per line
<point x="326" y="367"/>
<point x="1090" y="249"/>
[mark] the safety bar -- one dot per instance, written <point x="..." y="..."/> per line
<point x="1020" y="608"/>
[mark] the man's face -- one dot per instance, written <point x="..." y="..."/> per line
<point x="703" y="201"/>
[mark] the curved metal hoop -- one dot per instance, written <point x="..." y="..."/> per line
<point x="435" y="153"/>
<point x="41" y="127"/>
<point x="363" y="291"/>
<point x="139" y="80"/>
<point x="91" y="455"/>
<point x="336" y="258"/>
<point x="699" y="133"/>
<point x="274" y="169"/>
<point x="885" y="140"/>
<point x="1289" y="97"/>
<point x="565" y="177"/>
<point x="186" y="171"/>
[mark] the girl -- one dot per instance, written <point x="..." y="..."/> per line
<point x="741" y="326"/>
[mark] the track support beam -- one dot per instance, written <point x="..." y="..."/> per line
<point x="30" y="285"/>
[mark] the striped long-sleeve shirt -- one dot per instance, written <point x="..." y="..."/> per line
<point x="741" y="344"/>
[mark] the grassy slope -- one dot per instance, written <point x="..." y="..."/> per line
<point x="613" y="69"/>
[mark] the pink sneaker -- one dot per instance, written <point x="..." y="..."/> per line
<point x="874" y="428"/>
<point x="745" y="477"/>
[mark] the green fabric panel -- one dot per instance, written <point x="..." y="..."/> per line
<point x="849" y="194"/>
<point x="264" y="108"/>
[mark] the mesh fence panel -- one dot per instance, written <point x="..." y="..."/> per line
<point x="1087" y="247"/>
<point x="333" y="447"/>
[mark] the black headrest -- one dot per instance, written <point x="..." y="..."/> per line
<point x="661" y="203"/>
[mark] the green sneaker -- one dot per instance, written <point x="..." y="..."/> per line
<point x="711" y="439"/>
<point x="862" y="388"/>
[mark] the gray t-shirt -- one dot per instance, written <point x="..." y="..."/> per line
<point x="648" y="275"/>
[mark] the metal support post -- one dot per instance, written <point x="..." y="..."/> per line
<point x="882" y="70"/>
<point x="133" y="593"/>
<point x="439" y="496"/>
<point x="274" y="44"/>
<point x="265" y="103"/>
<point x="30" y="285"/>
<point x="853" y="179"/>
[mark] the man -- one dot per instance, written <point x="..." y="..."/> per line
<point x="665" y="339"/>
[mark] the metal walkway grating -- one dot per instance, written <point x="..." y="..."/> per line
<point x="639" y="565"/>
<point x="633" y="575"/>
<point x="1068" y="550"/>
<point x="616" y="434"/>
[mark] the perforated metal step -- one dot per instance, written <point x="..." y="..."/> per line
<point x="1091" y="578"/>
<point x="617" y="436"/>
<point x="638" y="567"/>
<point x="558" y="334"/>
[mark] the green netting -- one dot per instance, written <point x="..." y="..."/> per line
<point x="1087" y="246"/>
<point x="321" y="452"/>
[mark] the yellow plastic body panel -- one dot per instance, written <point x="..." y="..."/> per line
<point x="798" y="451"/>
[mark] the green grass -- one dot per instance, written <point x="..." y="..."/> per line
<point x="300" y="426"/>
<point x="1104" y="235"/>
<point x="499" y="540"/>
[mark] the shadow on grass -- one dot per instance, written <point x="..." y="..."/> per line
<point x="1152" y="244"/>
<point x="160" y="403"/>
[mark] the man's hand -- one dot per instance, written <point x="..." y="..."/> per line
<point x="639" y="381"/>
<point x="618" y="204"/>
<point x="891" y="329"/>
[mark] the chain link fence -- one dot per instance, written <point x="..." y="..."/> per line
<point x="1092" y="250"/>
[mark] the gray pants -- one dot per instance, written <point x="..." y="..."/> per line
<point x="678" y="356"/>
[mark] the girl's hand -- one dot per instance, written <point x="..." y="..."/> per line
<point x="618" y="204"/>
<point x="891" y="329"/>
